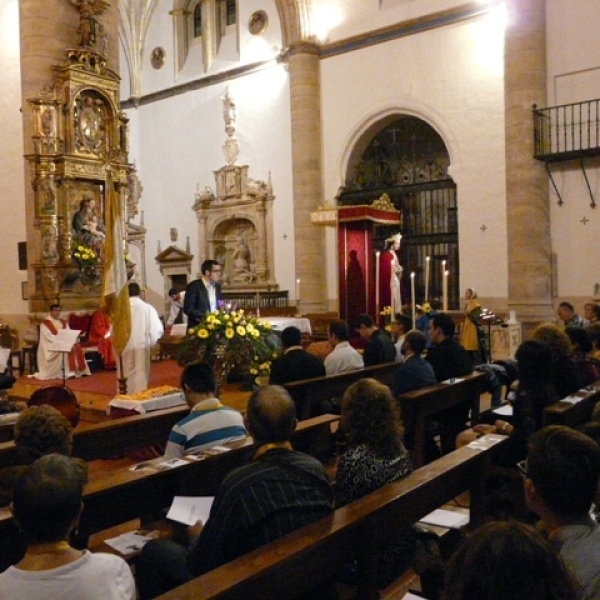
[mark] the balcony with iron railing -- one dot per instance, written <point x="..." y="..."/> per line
<point x="570" y="131"/>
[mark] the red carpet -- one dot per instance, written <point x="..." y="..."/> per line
<point x="164" y="372"/>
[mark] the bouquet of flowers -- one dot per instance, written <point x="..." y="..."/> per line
<point x="83" y="255"/>
<point x="227" y="338"/>
<point x="386" y="313"/>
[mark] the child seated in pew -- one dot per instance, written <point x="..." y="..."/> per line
<point x="508" y="561"/>
<point x="47" y="505"/>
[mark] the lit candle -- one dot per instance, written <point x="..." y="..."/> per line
<point x="443" y="271"/>
<point x="445" y="290"/>
<point x="258" y="304"/>
<point x="297" y="289"/>
<point x="377" y="284"/>
<point x="413" y="298"/>
<point x="426" y="295"/>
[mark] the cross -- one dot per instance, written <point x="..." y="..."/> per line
<point x="584" y="220"/>
<point x="285" y="236"/>
<point x="393" y="133"/>
<point x="483" y="228"/>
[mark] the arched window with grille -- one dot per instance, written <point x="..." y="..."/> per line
<point x="405" y="158"/>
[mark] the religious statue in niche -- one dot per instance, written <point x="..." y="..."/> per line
<point x="88" y="24"/>
<point x="47" y="196"/>
<point x="49" y="246"/>
<point x="390" y="275"/>
<point x="241" y="261"/>
<point x="88" y="229"/>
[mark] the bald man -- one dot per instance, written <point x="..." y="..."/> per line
<point x="279" y="491"/>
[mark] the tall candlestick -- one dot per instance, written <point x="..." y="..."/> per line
<point x="258" y="304"/>
<point x="377" y="284"/>
<point x="426" y="294"/>
<point x="445" y="290"/>
<point x="413" y="298"/>
<point x="443" y="271"/>
<point x="297" y="289"/>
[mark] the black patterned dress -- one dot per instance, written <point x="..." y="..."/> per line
<point x="361" y="471"/>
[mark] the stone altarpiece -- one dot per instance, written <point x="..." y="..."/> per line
<point x="80" y="147"/>
<point x="236" y="223"/>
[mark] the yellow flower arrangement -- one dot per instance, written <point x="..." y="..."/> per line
<point x="83" y="255"/>
<point x="386" y="313"/>
<point x="227" y="338"/>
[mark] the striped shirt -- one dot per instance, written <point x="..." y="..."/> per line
<point x="579" y="546"/>
<point x="208" y="424"/>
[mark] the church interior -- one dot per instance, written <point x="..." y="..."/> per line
<point x="468" y="130"/>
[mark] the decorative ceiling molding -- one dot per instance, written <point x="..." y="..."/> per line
<point x="296" y="18"/>
<point x="134" y="17"/>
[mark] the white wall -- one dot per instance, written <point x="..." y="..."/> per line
<point x="451" y="77"/>
<point x="573" y="64"/>
<point x="177" y="146"/>
<point x="12" y="163"/>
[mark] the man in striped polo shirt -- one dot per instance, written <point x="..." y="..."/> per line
<point x="209" y="422"/>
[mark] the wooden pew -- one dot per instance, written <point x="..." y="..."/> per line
<point x="571" y="415"/>
<point x="114" y="438"/>
<point x="294" y="564"/>
<point x="309" y="393"/>
<point x="419" y="404"/>
<point x="119" y="495"/>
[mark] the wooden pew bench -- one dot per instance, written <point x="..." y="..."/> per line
<point x="114" y="438"/>
<point x="308" y="394"/>
<point x="119" y="495"/>
<point x="294" y="564"/>
<point x="572" y="415"/>
<point x="419" y="404"/>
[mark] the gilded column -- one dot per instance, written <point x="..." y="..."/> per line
<point x="528" y="210"/>
<point x="305" y="98"/>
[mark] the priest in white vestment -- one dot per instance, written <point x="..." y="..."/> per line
<point x="50" y="362"/>
<point x="146" y="329"/>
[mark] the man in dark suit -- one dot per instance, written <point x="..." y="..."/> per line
<point x="447" y="357"/>
<point x="296" y="363"/>
<point x="379" y="348"/>
<point x="449" y="361"/>
<point x="415" y="372"/>
<point x="204" y="294"/>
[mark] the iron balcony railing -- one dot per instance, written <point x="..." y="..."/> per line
<point x="567" y="132"/>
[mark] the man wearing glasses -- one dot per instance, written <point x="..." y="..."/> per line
<point x="204" y="294"/>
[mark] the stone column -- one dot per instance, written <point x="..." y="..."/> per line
<point x="305" y="92"/>
<point x="527" y="199"/>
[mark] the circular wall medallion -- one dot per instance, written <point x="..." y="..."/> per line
<point x="158" y="57"/>
<point x="258" y="22"/>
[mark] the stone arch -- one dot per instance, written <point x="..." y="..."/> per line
<point x="400" y="153"/>
<point x="296" y="17"/>
<point x="360" y="136"/>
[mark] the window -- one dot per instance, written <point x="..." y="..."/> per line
<point x="198" y="20"/>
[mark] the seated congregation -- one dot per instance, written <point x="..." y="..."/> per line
<point x="282" y="490"/>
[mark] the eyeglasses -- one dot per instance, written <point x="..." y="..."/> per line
<point x="522" y="466"/>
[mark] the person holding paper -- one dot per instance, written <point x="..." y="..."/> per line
<point x="50" y="360"/>
<point x="279" y="491"/>
<point x="209" y="422"/>
<point x="176" y="314"/>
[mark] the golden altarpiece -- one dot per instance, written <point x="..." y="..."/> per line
<point x="80" y="146"/>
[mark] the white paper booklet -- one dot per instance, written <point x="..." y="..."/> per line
<point x="64" y="340"/>
<point x="190" y="509"/>
<point x="446" y="518"/>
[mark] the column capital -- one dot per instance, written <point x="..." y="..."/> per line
<point x="301" y="47"/>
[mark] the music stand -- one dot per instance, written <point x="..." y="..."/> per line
<point x="63" y="342"/>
